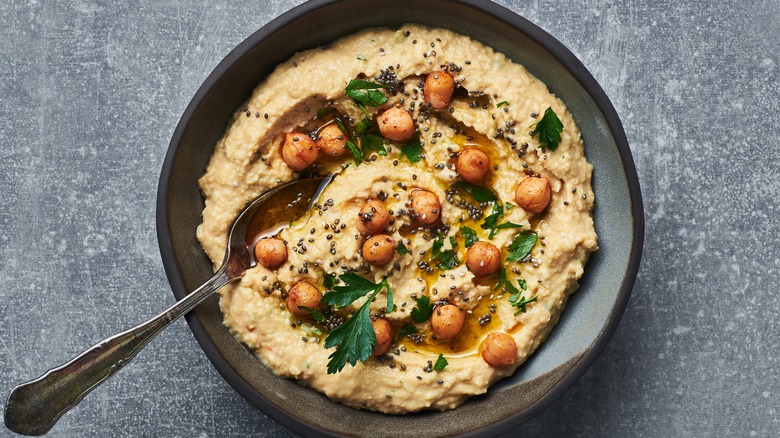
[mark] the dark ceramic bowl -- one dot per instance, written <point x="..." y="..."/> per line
<point x="585" y="326"/>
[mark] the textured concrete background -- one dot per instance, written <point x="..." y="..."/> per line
<point x="90" y="93"/>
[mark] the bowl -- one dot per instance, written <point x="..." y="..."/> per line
<point x="585" y="326"/>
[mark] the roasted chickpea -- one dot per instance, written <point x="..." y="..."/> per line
<point x="383" y="333"/>
<point x="439" y="86"/>
<point x="426" y="206"/>
<point x="473" y="165"/>
<point x="303" y="294"/>
<point x="298" y="151"/>
<point x="396" y="124"/>
<point x="331" y="141"/>
<point x="373" y="217"/>
<point x="499" y="350"/>
<point x="270" y="252"/>
<point x="379" y="249"/>
<point x="483" y="259"/>
<point x="447" y="321"/>
<point x="533" y="194"/>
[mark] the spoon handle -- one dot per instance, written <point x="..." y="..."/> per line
<point x="33" y="407"/>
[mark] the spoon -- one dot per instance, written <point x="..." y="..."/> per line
<point x="34" y="407"/>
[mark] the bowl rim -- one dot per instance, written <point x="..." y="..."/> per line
<point x="579" y="73"/>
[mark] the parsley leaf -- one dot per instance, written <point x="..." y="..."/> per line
<point x="491" y="221"/>
<point x="440" y="364"/>
<point x="449" y="259"/>
<point x="329" y="281"/>
<point x="509" y="206"/>
<point x="436" y="248"/>
<point x="521" y="246"/>
<point x="365" y="92"/>
<point x="367" y="138"/>
<point x="502" y="103"/>
<point x="412" y="151"/>
<point x="503" y="226"/>
<point x="518" y="300"/>
<point x="404" y="331"/>
<point x="363" y="126"/>
<point x="355" y="339"/>
<point x="315" y="314"/>
<point x="372" y="141"/>
<point x="357" y="287"/>
<point x="423" y="310"/>
<point x="548" y="129"/>
<point x="479" y="193"/>
<point x="469" y="236"/>
<point x="501" y="279"/>
<point x="357" y="154"/>
<point x="401" y="248"/>
<point x="390" y="305"/>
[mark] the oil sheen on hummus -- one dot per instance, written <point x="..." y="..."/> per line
<point x="494" y="108"/>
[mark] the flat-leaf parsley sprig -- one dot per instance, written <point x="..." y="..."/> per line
<point x="517" y="299"/>
<point x="548" y="130"/>
<point x="366" y="93"/>
<point x="355" y="339"/>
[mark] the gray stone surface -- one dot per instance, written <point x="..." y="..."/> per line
<point x="90" y="93"/>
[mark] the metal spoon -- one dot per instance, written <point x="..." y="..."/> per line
<point x="33" y="407"/>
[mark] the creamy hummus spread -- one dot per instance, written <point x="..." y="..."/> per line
<point x="477" y="216"/>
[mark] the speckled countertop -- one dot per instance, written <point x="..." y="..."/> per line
<point x="90" y="92"/>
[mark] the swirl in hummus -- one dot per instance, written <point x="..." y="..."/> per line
<point x="461" y="186"/>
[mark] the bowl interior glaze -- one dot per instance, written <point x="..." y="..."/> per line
<point x="585" y="326"/>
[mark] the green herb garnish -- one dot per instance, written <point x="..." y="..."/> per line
<point x="522" y="245"/>
<point x="448" y="259"/>
<point x="502" y="103"/>
<point x="357" y="154"/>
<point x="440" y="364"/>
<point x="548" y="129"/>
<point x="365" y="92"/>
<point x="401" y="248"/>
<point x="423" y="310"/>
<point x="360" y="57"/>
<point x="491" y="221"/>
<point x="355" y="339"/>
<point x="469" y="236"/>
<point x="329" y="281"/>
<point x="501" y="279"/>
<point x="404" y="331"/>
<point x="413" y="149"/>
<point x="368" y="139"/>
<point x="437" y="246"/>
<point x="372" y="141"/>
<point x="479" y="193"/>
<point x="523" y="284"/>
<point x="517" y="299"/>
<point x="315" y="314"/>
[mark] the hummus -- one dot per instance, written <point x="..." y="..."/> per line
<point x="495" y="108"/>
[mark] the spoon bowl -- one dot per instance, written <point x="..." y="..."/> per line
<point x="34" y="407"/>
